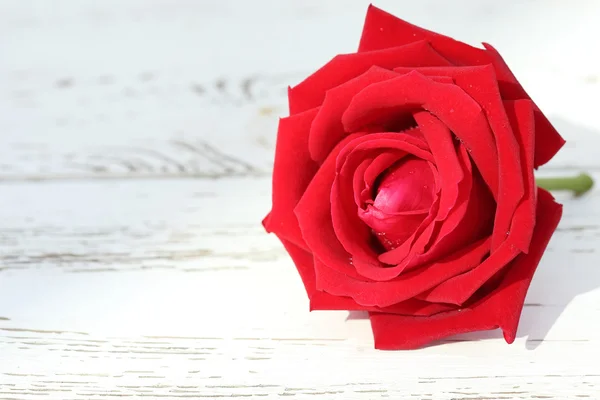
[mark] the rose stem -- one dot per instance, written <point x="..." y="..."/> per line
<point x="579" y="184"/>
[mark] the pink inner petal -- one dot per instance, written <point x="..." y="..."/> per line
<point x="405" y="194"/>
<point x="408" y="185"/>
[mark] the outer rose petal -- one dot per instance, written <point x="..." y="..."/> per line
<point x="314" y="216"/>
<point x="305" y="266"/>
<point x="292" y="172"/>
<point x="382" y="30"/>
<point x="521" y="116"/>
<point x="311" y="92"/>
<point x="405" y="286"/>
<point x="499" y="309"/>
<point x="460" y="288"/>
<point x="549" y="140"/>
<point x="327" y="128"/>
<point x="412" y="307"/>
<point x="325" y="301"/>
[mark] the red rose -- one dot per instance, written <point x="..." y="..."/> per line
<point x="403" y="185"/>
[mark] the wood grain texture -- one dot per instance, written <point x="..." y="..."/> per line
<point x="137" y="298"/>
<point x="136" y="143"/>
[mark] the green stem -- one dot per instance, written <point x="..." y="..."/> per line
<point x="579" y="184"/>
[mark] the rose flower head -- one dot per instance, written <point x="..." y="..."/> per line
<point x="403" y="185"/>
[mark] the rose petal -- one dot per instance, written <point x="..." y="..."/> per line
<point x="319" y="300"/>
<point x="549" y="140"/>
<point x="399" y="256"/>
<point x="447" y="102"/>
<point x="521" y="116"/>
<point x="439" y="138"/>
<point x="405" y="286"/>
<point x="311" y="92"/>
<point x="499" y="309"/>
<point x="460" y="288"/>
<point x="382" y="30"/>
<point x="408" y="185"/>
<point x="351" y="232"/>
<point x="404" y="197"/>
<point x="327" y="129"/>
<point x="303" y="260"/>
<point x="392" y="230"/>
<point x="413" y="307"/>
<point x="292" y="172"/>
<point x="364" y="190"/>
<point x="314" y="216"/>
<point x="381" y="141"/>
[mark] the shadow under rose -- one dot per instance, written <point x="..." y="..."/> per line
<point x="569" y="267"/>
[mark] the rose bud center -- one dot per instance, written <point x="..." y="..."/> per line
<point x="402" y="199"/>
<point x="406" y="186"/>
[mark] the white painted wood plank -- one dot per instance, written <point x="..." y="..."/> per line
<point x="171" y="289"/>
<point x="90" y="89"/>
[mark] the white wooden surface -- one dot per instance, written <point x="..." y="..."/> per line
<point x="136" y="139"/>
